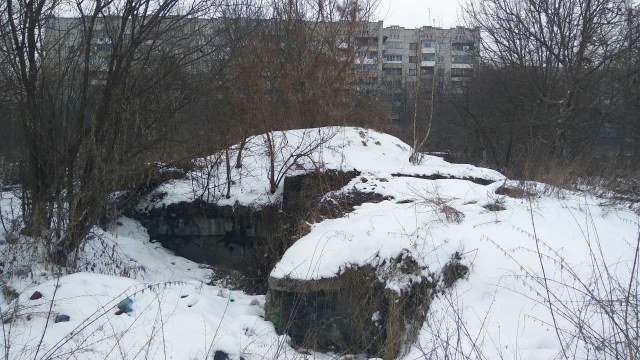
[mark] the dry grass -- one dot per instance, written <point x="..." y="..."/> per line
<point x="441" y="207"/>
<point x="516" y="192"/>
<point x="454" y="270"/>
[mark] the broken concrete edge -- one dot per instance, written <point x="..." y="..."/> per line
<point x="198" y="228"/>
<point x="298" y="285"/>
<point x="199" y="208"/>
<point x="385" y="270"/>
<point x="397" y="314"/>
<point x="438" y="176"/>
<point x="400" y="313"/>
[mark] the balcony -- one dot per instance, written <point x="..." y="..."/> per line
<point x="364" y="61"/>
<point x="393" y="59"/>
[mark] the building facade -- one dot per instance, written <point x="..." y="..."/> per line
<point x="390" y="53"/>
<point x="192" y="41"/>
<point x="391" y="59"/>
<point x="388" y="60"/>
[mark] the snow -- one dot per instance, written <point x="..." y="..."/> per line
<point x="128" y="242"/>
<point x="497" y="311"/>
<point x="185" y="320"/>
<point x="499" y="305"/>
<point x="175" y="314"/>
<point x="298" y="152"/>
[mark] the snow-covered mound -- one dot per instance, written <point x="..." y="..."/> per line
<point x="529" y="248"/>
<point x="297" y="152"/>
<point x="510" y="244"/>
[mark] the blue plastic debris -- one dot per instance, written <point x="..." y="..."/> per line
<point x="126" y="305"/>
<point x="61" y="318"/>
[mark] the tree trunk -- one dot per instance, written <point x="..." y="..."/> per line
<point x="240" y="149"/>
<point x="272" y="166"/>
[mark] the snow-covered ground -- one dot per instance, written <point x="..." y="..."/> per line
<point x="500" y="310"/>
<point x="300" y="151"/>
<point x="175" y="314"/>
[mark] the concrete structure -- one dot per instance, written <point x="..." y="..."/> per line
<point x="392" y="53"/>
<point x="391" y="58"/>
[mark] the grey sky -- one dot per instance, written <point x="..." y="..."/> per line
<point x="415" y="13"/>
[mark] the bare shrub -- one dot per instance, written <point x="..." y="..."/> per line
<point x="441" y="206"/>
<point x="96" y="93"/>
<point x="516" y="192"/>
<point x="593" y="309"/>
<point x="496" y="203"/>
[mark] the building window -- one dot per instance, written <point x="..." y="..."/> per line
<point x="393" y="72"/>
<point x="428" y="43"/>
<point x="455" y="72"/>
<point x="462" y="47"/>
<point x="365" y="69"/>
<point x="412" y="72"/>
<point x="428" y="57"/>
<point x="103" y="47"/>
<point x="98" y="62"/>
<point x="394" y="45"/>
<point x="367" y="54"/>
<point x="461" y="59"/>
<point x="413" y="46"/>
<point x="426" y="70"/>
<point x="393" y="58"/>
<point x="413" y="59"/>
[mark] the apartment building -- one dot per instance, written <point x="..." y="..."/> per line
<point x="196" y="42"/>
<point x="391" y="59"/>
<point x="396" y="53"/>
<point x="388" y="60"/>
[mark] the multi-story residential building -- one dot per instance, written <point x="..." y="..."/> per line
<point x="391" y="59"/>
<point x="428" y="50"/>
<point x="388" y="60"/>
<point x="196" y="42"/>
<point x="396" y="53"/>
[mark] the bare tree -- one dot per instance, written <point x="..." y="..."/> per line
<point x="560" y="44"/>
<point x="95" y="92"/>
<point x="550" y="61"/>
<point x="424" y="93"/>
<point x="295" y="71"/>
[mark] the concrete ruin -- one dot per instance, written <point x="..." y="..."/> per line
<point x="353" y="312"/>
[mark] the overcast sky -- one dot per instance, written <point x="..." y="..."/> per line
<point x="415" y="13"/>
